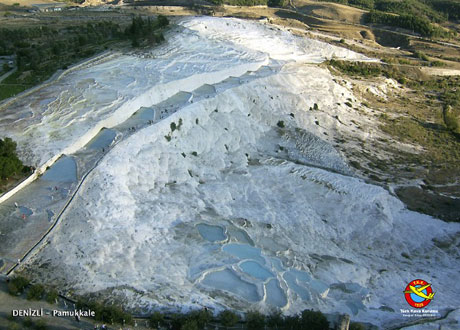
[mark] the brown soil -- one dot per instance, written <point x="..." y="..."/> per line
<point x="431" y="203"/>
<point x="329" y="10"/>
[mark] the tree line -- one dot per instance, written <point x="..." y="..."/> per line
<point x="415" y="15"/>
<point x="271" y="3"/>
<point x="41" y="51"/>
<point x="435" y="10"/>
<point x="414" y="23"/>
<point x="10" y="164"/>
<point x="193" y="320"/>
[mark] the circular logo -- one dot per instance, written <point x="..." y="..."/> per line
<point x="418" y="293"/>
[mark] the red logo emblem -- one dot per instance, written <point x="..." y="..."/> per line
<point x="418" y="293"/>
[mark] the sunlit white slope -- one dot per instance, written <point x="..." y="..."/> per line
<point x="329" y="240"/>
<point x="278" y="43"/>
<point x="66" y="114"/>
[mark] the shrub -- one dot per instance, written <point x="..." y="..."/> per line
<point x="173" y="126"/>
<point x="202" y="317"/>
<point x="28" y="323"/>
<point x="276" y="3"/>
<point x="116" y="314"/>
<point x="369" y="4"/>
<point x="451" y="119"/>
<point x="13" y="289"/>
<point x="280" y="124"/>
<point x="41" y="325"/>
<point x="98" y="309"/>
<point x="275" y="320"/>
<point x="177" y="321"/>
<point x="409" y="21"/>
<point x="156" y="319"/>
<point x="228" y="318"/>
<point x="355" y="164"/>
<point x="356" y="326"/>
<point x="437" y="63"/>
<point x="51" y="296"/>
<point x="421" y="56"/>
<point x="244" y="2"/>
<point x="14" y="326"/>
<point x="314" y="320"/>
<point x="255" y="320"/>
<point x="35" y="292"/>
<point x="162" y="21"/>
<point x="107" y="313"/>
<point x="18" y="284"/>
<point x="292" y="322"/>
<point x="9" y="161"/>
<point x="190" y="325"/>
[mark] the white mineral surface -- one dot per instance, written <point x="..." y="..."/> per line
<point x="246" y="204"/>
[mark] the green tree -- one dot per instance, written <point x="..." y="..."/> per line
<point x="41" y="325"/>
<point x="9" y="162"/>
<point x="162" y="21"/>
<point x="314" y="320"/>
<point x="357" y="326"/>
<point x="255" y="320"/>
<point x="51" y="296"/>
<point x="17" y="285"/>
<point x="276" y="3"/>
<point x="35" y="292"/>
<point x="275" y="321"/>
<point x="292" y="323"/>
<point x="156" y="320"/>
<point x="190" y="325"/>
<point x="228" y="318"/>
<point x="201" y="317"/>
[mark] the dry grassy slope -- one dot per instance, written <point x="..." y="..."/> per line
<point x="26" y="3"/>
<point x="93" y="3"/>
<point x="331" y="11"/>
<point x="333" y="18"/>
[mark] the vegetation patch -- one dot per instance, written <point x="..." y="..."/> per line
<point x="17" y="285"/>
<point x="272" y="3"/>
<point x="9" y="161"/>
<point x="35" y="292"/>
<point x="11" y="167"/>
<point x="41" y="51"/>
<point x="426" y="114"/>
<point x="106" y="313"/>
<point x="197" y="319"/>
<point x="228" y="318"/>
<point x="434" y="10"/>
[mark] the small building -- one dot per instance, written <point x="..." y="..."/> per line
<point x="49" y="7"/>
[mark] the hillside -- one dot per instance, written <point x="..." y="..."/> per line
<point x="257" y="159"/>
